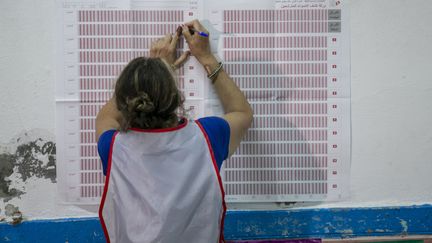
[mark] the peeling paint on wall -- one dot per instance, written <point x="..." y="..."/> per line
<point x="24" y="161"/>
<point x="15" y="216"/>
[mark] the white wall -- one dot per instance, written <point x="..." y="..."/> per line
<point x="391" y="100"/>
<point x="27" y="82"/>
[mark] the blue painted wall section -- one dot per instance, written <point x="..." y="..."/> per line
<point x="247" y="225"/>
<point x="329" y="223"/>
<point x="59" y="230"/>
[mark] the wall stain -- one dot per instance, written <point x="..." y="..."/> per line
<point x="14" y="213"/>
<point x="29" y="164"/>
<point x="6" y="169"/>
<point x="33" y="158"/>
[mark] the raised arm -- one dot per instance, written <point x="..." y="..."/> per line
<point x="109" y="117"/>
<point x="238" y="112"/>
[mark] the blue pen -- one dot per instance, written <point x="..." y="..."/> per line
<point x="199" y="32"/>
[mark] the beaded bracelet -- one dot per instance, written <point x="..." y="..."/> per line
<point x="212" y="76"/>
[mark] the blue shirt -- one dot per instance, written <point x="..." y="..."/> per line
<point x="216" y="128"/>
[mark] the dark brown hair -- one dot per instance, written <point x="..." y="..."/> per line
<point x="147" y="95"/>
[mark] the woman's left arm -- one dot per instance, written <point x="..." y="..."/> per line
<point x="109" y="117"/>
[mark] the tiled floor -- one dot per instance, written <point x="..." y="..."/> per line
<point x="405" y="239"/>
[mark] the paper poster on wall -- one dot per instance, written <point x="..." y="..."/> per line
<point x="290" y="58"/>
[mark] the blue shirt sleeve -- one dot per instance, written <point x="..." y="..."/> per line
<point x="104" y="145"/>
<point x="218" y="132"/>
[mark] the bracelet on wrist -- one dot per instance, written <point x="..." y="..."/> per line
<point x="213" y="75"/>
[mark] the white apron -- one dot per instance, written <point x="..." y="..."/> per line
<point x="162" y="185"/>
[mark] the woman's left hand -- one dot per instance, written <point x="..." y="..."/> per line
<point x="166" y="48"/>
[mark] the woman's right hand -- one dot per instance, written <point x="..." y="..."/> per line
<point x="199" y="45"/>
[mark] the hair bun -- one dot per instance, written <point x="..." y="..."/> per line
<point x="141" y="103"/>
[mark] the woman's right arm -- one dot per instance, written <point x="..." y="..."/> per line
<point x="238" y="112"/>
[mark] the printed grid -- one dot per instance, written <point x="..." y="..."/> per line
<point x="279" y="60"/>
<point x="108" y="40"/>
<point x="290" y="69"/>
